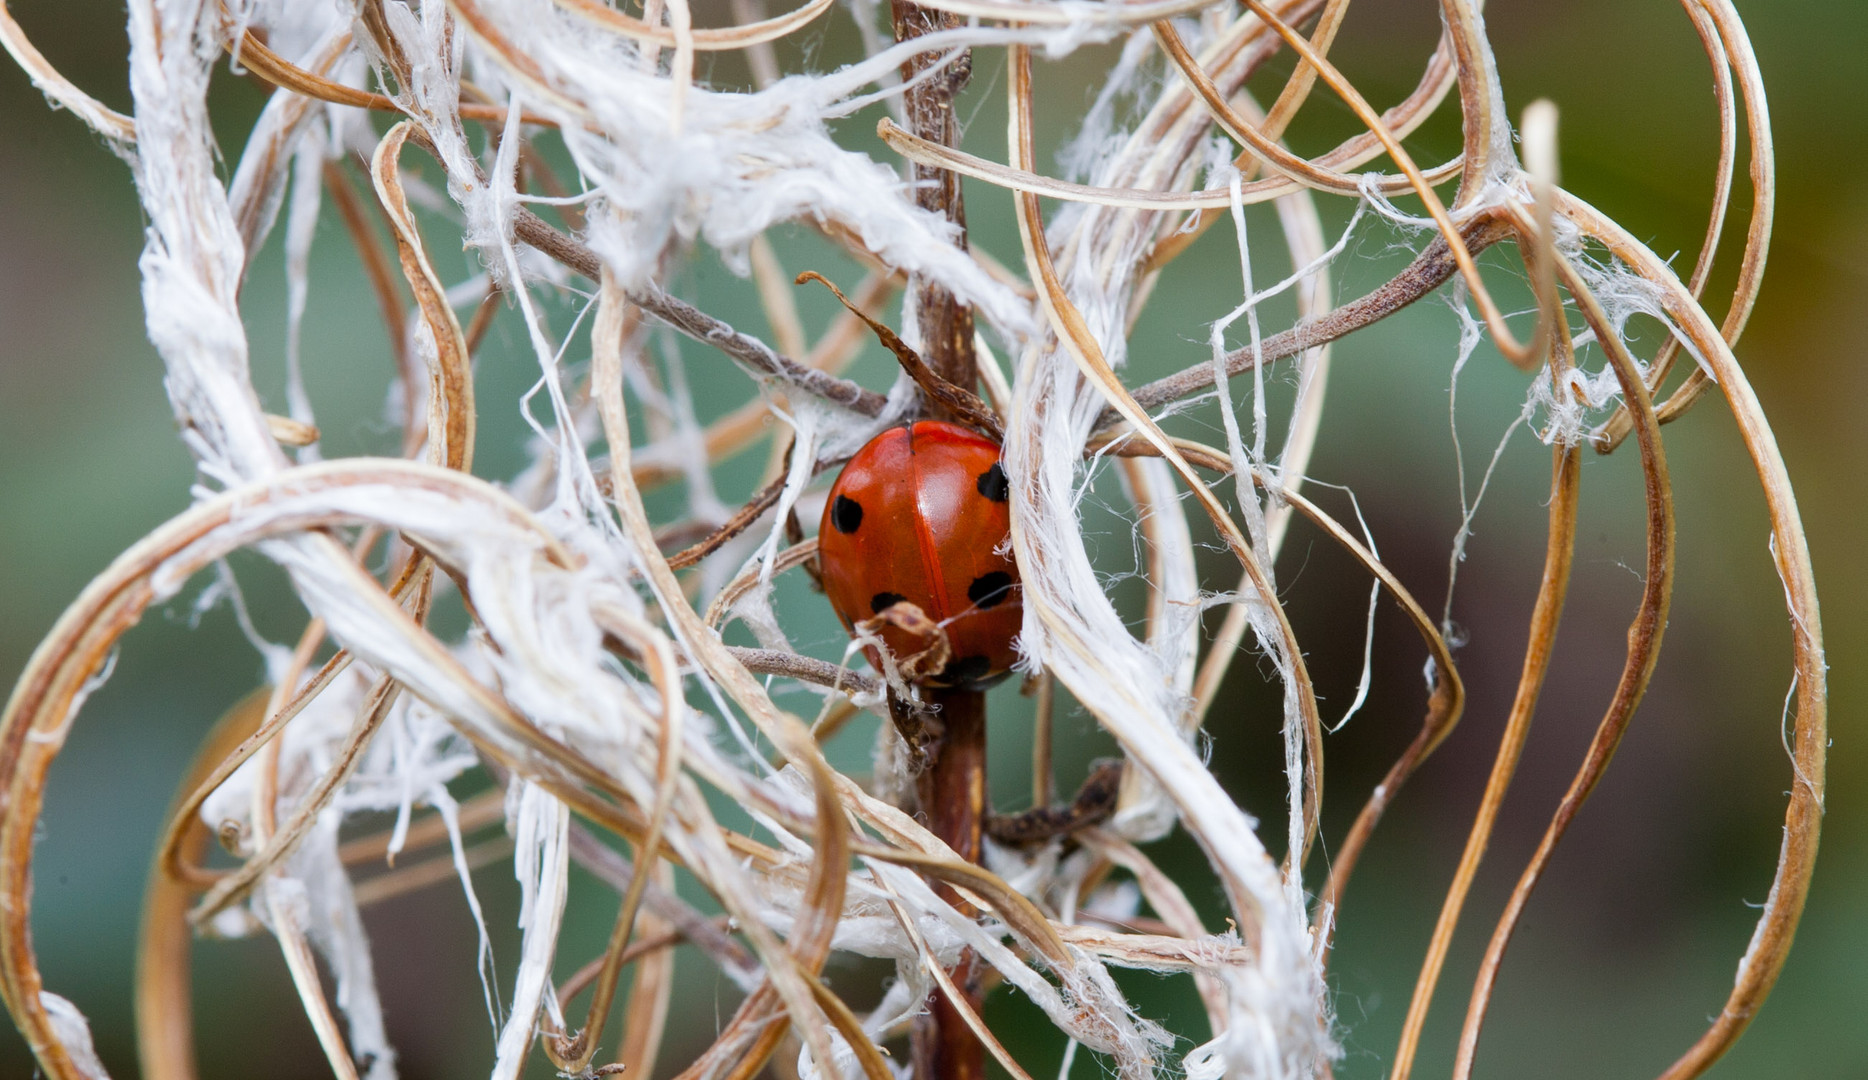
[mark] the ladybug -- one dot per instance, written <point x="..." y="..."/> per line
<point x="920" y="515"/>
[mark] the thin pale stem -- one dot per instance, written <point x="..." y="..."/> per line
<point x="1644" y="637"/>
<point x="1559" y="556"/>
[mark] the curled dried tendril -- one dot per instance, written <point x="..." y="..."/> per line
<point x="595" y="714"/>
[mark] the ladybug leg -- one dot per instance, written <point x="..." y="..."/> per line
<point x="1094" y="802"/>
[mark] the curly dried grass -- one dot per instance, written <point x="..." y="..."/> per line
<point x="588" y="643"/>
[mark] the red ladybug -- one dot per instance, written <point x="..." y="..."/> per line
<point x="919" y="514"/>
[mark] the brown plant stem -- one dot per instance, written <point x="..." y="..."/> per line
<point x="953" y="804"/>
<point x="165" y="1039"/>
<point x="1432" y="268"/>
<point x="953" y="789"/>
<point x="805" y="669"/>
<point x="1560" y="552"/>
<point x="1776" y="928"/>
<point x="1644" y="638"/>
<point x="1094" y="802"/>
<point x="1729" y="48"/>
<point x="375" y="267"/>
<point x="533" y="230"/>
<point x="944" y="396"/>
<point x="946" y="324"/>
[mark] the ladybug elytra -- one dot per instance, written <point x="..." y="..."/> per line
<point x="920" y="515"/>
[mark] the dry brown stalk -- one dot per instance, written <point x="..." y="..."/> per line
<point x="948" y="1042"/>
<point x="164" y="956"/>
<point x="389" y="299"/>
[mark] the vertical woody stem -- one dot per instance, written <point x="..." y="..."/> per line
<point x="946" y="325"/>
<point x="953" y="802"/>
<point x="953" y="789"/>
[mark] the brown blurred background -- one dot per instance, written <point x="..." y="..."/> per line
<point x="1631" y="944"/>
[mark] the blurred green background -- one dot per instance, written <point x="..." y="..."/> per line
<point x="1630" y="946"/>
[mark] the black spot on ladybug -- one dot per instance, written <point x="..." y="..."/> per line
<point x="967" y="669"/>
<point x="990" y="590"/>
<point x="846" y="514"/>
<point x="993" y="485"/>
<point x="883" y="601"/>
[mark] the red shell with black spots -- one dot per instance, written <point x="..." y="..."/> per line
<point x="920" y="514"/>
